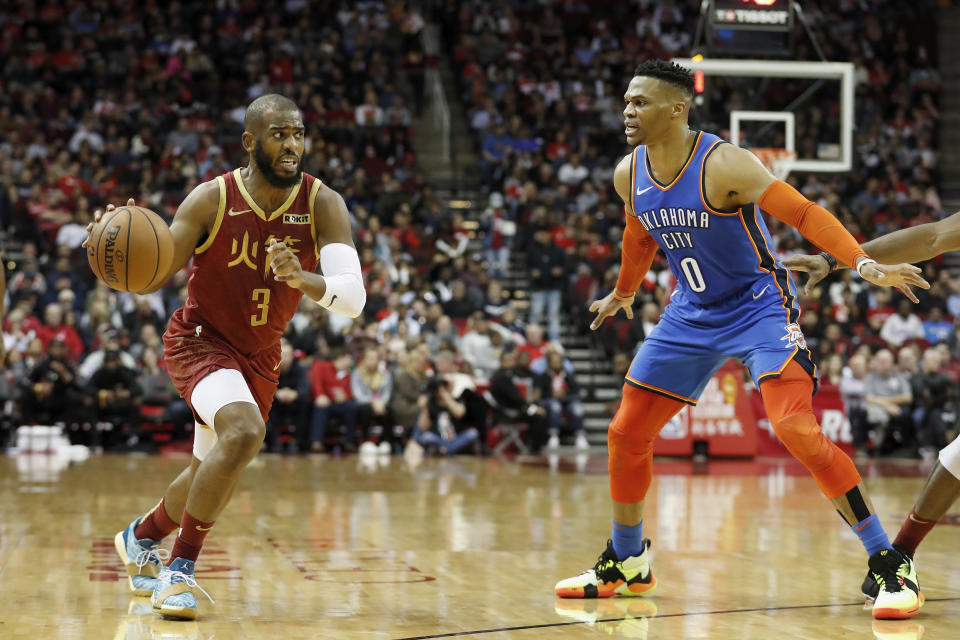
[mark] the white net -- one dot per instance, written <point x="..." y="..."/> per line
<point x="779" y="161"/>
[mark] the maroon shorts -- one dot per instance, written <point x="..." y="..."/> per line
<point x="191" y="355"/>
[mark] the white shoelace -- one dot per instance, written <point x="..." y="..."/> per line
<point x="145" y="556"/>
<point x="191" y="582"/>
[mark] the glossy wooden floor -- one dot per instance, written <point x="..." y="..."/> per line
<point x="315" y="547"/>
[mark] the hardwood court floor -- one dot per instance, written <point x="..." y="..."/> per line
<point x="316" y="547"/>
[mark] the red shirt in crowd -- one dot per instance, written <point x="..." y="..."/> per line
<point x="324" y="378"/>
<point x="65" y="334"/>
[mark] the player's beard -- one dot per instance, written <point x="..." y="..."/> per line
<point x="265" y="165"/>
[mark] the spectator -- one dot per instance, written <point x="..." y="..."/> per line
<point x="514" y="397"/>
<point x="932" y="390"/>
<point x="902" y="326"/>
<point x="50" y="393"/>
<point x="572" y="173"/>
<point x="935" y="328"/>
<point x="372" y="386"/>
<point x="95" y="359"/>
<point x="495" y="304"/>
<point x="853" y="390"/>
<point x="459" y="306"/>
<point x="535" y="345"/>
<point x="116" y="397"/>
<point x="560" y="394"/>
<point x="498" y="229"/>
<point x="888" y="397"/>
<point x="54" y="329"/>
<point x="440" y="425"/>
<point x="291" y="401"/>
<point x="480" y="346"/>
<point x="907" y="363"/>
<point x="545" y="264"/>
<point x="159" y="392"/>
<point x="330" y="386"/>
<point x="463" y="389"/>
<point x="408" y="383"/>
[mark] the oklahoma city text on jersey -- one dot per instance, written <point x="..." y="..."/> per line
<point x="674" y="217"/>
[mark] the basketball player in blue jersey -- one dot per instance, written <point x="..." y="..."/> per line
<point x="700" y="200"/>
<point x="942" y="488"/>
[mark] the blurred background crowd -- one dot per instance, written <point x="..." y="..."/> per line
<point x="102" y="100"/>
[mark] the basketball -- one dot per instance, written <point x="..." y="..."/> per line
<point x="130" y="249"/>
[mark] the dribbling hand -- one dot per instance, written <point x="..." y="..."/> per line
<point x="99" y="214"/>
<point x="608" y="306"/>
<point x="285" y="264"/>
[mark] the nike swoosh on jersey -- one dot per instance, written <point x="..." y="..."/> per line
<point x="757" y="295"/>
<point x="231" y="212"/>
<point x="199" y="528"/>
<point x="641" y="192"/>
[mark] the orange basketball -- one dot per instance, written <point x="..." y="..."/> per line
<point x="130" y="249"/>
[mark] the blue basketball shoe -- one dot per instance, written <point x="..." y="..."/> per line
<point x="142" y="558"/>
<point x="173" y="595"/>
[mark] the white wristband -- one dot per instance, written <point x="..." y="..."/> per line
<point x="862" y="261"/>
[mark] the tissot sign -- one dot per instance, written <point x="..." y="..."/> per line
<point x="772" y="15"/>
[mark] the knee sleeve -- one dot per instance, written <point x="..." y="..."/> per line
<point x="950" y="457"/>
<point x="212" y="393"/>
<point x="787" y="400"/>
<point x="630" y="441"/>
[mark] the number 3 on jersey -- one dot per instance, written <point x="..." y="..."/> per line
<point x="691" y="271"/>
<point x="262" y="298"/>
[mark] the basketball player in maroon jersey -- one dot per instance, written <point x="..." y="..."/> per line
<point x="256" y="236"/>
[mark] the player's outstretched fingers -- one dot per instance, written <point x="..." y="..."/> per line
<point x="907" y="291"/>
<point x="628" y="308"/>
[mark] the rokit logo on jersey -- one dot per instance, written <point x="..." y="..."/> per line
<point x="296" y="218"/>
<point x="794" y="337"/>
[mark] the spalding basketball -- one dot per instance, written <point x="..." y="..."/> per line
<point x="130" y="249"/>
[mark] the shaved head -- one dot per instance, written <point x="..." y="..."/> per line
<point x="253" y="119"/>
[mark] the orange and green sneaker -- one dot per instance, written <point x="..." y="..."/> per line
<point x="611" y="576"/>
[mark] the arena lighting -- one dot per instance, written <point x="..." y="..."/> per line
<point x="760" y="3"/>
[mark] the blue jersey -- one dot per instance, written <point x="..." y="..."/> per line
<point x="733" y="298"/>
<point x="713" y="253"/>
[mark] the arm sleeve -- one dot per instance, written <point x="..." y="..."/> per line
<point x="345" y="292"/>
<point x="636" y="256"/>
<point x="817" y="225"/>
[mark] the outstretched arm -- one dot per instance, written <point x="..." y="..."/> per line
<point x="636" y="256"/>
<point x="740" y="178"/>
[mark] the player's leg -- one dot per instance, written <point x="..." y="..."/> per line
<point x="223" y="400"/>
<point x="787" y="400"/>
<point x="139" y="544"/>
<point x="939" y="493"/>
<point x="624" y="568"/>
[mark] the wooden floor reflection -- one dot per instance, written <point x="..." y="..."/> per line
<point x="316" y="547"/>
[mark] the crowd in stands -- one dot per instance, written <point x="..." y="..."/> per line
<point x="100" y="101"/>
<point x="542" y="86"/>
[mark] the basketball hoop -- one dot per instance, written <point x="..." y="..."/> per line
<point x="778" y="160"/>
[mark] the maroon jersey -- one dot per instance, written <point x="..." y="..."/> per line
<point x="232" y="291"/>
